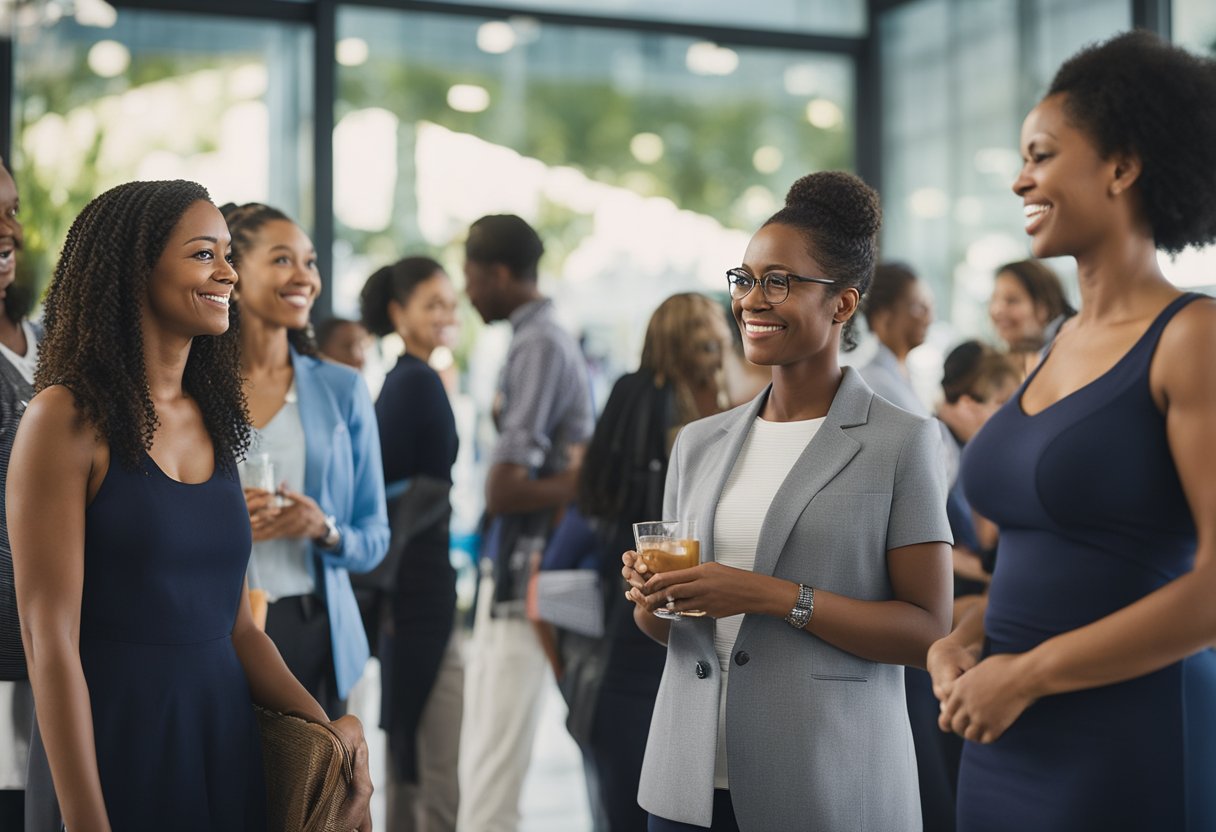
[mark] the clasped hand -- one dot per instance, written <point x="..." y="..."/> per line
<point x="718" y="591"/>
<point x="980" y="699"/>
<point x="300" y="517"/>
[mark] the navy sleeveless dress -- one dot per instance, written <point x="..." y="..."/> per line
<point x="177" y="741"/>
<point x="1092" y="517"/>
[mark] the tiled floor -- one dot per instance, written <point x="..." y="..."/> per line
<point x="554" y="798"/>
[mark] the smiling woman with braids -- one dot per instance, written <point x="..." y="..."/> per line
<point x="129" y="531"/>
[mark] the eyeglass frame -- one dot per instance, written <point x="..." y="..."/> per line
<point x="763" y="282"/>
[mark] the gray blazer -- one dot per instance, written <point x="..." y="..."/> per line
<point x="816" y="738"/>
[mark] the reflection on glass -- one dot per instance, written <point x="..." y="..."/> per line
<point x="157" y="96"/>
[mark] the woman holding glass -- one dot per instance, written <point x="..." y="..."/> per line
<point x="825" y="559"/>
<point x="315" y="420"/>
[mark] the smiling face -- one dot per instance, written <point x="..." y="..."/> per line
<point x="279" y="279"/>
<point x="192" y="281"/>
<point x="427" y="319"/>
<point x="1014" y="313"/>
<point x="1065" y="184"/>
<point x="804" y="326"/>
<point x="10" y="230"/>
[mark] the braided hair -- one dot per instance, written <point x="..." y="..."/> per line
<point x="244" y="222"/>
<point x="93" y="342"/>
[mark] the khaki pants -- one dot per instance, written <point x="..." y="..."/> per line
<point x="503" y="684"/>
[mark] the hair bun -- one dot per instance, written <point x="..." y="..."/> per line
<point x="838" y="200"/>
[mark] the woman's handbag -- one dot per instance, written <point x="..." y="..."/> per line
<point x="309" y="771"/>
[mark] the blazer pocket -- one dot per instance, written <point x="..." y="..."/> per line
<point x="831" y="664"/>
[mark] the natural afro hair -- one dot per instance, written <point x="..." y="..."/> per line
<point x="93" y="342"/>
<point x="388" y="283"/>
<point x="244" y="222"/>
<point x="839" y="215"/>
<point x="1137" y="94"/>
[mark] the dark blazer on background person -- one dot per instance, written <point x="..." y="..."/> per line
<point x="816" y="737"/>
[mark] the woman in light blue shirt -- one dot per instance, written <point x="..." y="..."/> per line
<point x="315" y="420"/>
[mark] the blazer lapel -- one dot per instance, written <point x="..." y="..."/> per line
<point x="727" y="449"/>
<point x="826" y="455"/>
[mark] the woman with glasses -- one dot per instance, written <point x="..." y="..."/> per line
<point x="825" y="559"/>
<point x="1089" y="686"/>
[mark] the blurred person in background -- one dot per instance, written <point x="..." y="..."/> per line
<point x="413" y="605"/>
<point x="1086" y="693"/>
<point x="130" y="536"/>
<point x="976" y="380"/>
<point x="680" y="380"/>
<point x="344" y="341"/>
<point x="1027" y="308"/>
<point x="315" y="420"/>
<point x="544" y="419"/>
<point x="898" y="311"/>
<point x="18" y="357"/>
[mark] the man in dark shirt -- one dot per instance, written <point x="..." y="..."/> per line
<point x="544" y="418"/>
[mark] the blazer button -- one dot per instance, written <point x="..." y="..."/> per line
<point x="741" y="658"/>
<point x="702" y="670"/>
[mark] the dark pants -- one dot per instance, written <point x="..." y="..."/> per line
<point x="12" y="809"/>
<point x="937" y="753"/>
<point x="299" y="627"/>
<point x="724" y="818"/>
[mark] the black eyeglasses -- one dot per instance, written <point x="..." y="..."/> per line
<point x="775" y="285"/>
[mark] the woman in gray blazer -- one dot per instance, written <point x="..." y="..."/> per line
<point x="826" y="563"/>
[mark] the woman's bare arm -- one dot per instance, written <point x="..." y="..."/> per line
<point x="56" y="466"/>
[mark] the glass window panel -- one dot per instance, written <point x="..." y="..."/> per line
<point x="645" y="160"/>
<point x="227" y="103"/>
<point x="830" y="17"/>
<point x="1194" y="25"/>
<point x="958" y="78"/>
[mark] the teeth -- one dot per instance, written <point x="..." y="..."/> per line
<point x="761" y="328"/>
<point x="1033" y="212"/>
<point x="298" y="301"/>
<point x="220" y="299"/>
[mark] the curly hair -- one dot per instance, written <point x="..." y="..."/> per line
<point x="839" y="215"/>
<point x="244" y="222"/>
<point x="1137" y="94"/>
<point x="388" y="283"/>
<point x="93" y="342"/>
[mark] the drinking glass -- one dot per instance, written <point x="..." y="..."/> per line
<point x="257" y="471"/>
<point x="667" y="545"/>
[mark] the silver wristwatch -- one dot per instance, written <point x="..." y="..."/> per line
<point x="332" y="536"/>
<point x="803" y="609"/>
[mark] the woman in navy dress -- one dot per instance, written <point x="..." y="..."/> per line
<point x="130" y="536"/>
<point x="1089" y="699"/>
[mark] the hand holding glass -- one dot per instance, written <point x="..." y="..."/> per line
<point x="665" y="546"/>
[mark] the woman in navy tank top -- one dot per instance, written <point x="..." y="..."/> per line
<point x="130" y="536"/>
<point x="1088" y="695"/>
